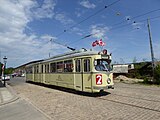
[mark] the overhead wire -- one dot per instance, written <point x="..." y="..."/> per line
<point x="115" y="28"/>
<point x="134" y="22"/>
<point x="137" y="16"/>
<point x="120" y="22"/>
<point x="97" y="12"/>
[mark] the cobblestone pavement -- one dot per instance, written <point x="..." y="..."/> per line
<point x="125" y="102"/>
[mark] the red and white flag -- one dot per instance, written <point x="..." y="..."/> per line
<point x="101" y="43"/>
<point x="94" y="44"/>
<point x="98" y="42"/>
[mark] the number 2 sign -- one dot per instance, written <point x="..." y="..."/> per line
<point x="99" y="79"/>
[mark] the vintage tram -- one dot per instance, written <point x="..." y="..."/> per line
<point x="82" y="70"/>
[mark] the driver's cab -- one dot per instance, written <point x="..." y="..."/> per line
<point x="102" y="65"/>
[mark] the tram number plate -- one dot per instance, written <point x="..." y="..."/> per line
<point x="99" y="79"/>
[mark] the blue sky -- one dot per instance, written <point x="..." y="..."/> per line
<point x="27" y="26"/>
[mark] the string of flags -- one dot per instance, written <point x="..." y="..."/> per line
<point x="99" y="43"/>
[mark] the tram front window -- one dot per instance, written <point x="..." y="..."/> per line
<point x="102" y="65"/>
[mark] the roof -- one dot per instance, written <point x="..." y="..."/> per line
<point x="71" y="55"/>
<point x="28" y="63"/>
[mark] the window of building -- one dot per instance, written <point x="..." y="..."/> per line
<point x="86" y="65"/>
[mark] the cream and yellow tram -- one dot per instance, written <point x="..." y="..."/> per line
<point x="86" y="71"/>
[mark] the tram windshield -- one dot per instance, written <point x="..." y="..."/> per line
<point x="102" y="65"/>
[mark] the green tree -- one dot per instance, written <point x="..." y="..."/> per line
<point x="9" y="70"/>
<point x="157" y="74"/>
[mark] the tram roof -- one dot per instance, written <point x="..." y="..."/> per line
<point x="71" y="55"/>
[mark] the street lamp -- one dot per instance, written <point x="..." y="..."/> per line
<point x="5" y="61"/>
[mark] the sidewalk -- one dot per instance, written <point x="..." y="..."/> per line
<point x="15" y="108"/>
<point x="6" y="94"/>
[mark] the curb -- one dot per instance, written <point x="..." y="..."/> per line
<point x="14" y="98"/>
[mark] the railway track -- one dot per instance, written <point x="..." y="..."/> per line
<point x="130" y="104"/>
<point x="136" y="98"/>
<point x="137" y="88"/>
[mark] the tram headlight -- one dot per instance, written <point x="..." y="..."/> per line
<point x="108" y="80"/>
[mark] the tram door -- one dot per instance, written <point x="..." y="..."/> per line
<point x="87" y="75"/>
<point x="78" y="75"/>
<point x="83" y="74"/>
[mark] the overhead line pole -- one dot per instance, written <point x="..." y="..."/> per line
<point x="151" y="47"/>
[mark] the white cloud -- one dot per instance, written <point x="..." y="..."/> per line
<point x="63" y="19"/>
<point x="14" y="42"/>
<point x="99" y="31"/>
<point x="87" y="4"/>
<point x="45" y="10"/>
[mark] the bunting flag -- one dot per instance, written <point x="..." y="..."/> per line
<point x="98" y="42"/>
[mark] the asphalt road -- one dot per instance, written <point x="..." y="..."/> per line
<point x="16" y="81"/>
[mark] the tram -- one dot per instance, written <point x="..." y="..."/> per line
<point x="82" y="70"/>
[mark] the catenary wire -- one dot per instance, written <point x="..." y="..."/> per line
<point x="97" y="12"/>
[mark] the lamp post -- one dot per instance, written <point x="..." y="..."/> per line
<point x="5" y="61"/>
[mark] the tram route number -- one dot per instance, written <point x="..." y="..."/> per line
<point x="98" y="79"/>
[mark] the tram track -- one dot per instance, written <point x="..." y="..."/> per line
<point x="130" y="104"/>
<point x="136" y="98"/>
<point x="137" y="88"/>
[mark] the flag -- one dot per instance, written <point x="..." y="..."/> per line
<point x="94" y="44"/>
<point x="98" y="42"/>
<point x="101" y="43"/>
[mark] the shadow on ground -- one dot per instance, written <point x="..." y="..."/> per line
<point x="103" y="93"/>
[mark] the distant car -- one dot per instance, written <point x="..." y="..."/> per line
<point x="14" y="74"/>
<point x="6" y="77"/>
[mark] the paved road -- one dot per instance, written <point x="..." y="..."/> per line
<point x="125" y="102"/>
<point x="16" y="81"/>
<point x="18" y="109"/>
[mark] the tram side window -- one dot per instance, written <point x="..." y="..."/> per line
<point x="60" y="66"/>
<point x="37" y="69"/>
<point x="68" y="66"/>
<point x="47" y="68"/>
<point x="78" y="66"/>
<point x="41" y="68"/>
<point x="86" y="65"/>
<point x="29" y="70"/>
<point x="53" y="67"/>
